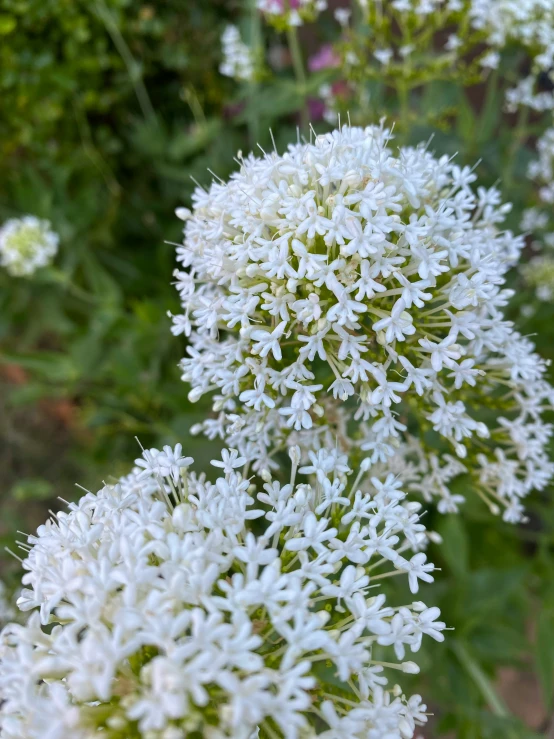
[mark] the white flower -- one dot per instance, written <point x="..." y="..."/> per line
<point x="344" y="282"/>
<point x="154" y="600"/>
<point x="290" y="13"/>
<point x="539" y="273"/>
<point x="531" y="24"/>
<point x="342" y="16"/>
<point x="498" y="23"/>
<point x="384" y="56"/>
<point x="542" y="171"/>
<point x="26" y="244"/>
<point x="237" y="63"/>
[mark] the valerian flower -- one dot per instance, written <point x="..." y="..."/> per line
<point x="530" y="24"/>
<point x="165" y="606"/>
<point x="26" y="244"/>
<point x="539" y="274"/>
<point x="344" y="294"/>
<point x="237" y="61"/>
<point x="541" y="170"/>
<point x="290" y="13"/>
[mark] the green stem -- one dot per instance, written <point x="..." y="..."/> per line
<point x="94" y="155"/>
<point x="255" y="42"/>
<point x="133" y="68"/>
<point x="299" y="71"/>
<point x="519" y="139"/>
<point x="480" y="679"/>
<point x="403" y="97"/>
<point x="403" y="87"/>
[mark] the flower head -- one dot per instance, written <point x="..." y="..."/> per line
<point x="542" y="169"/>
<point x="26" y="244"/>
<point x="530" y="24"/>
<point x="166" y="605"/>
<point x="287" y="13"/>
<point x="342" y="270"/>
<point x="237" y="57"/>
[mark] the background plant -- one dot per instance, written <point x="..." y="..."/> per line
<point x="106" y="111"/>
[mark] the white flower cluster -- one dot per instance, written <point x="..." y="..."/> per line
<point x="539" y="274"/>
<point x="329" y="99"/>
<point x="526" y="94"/>
<point x="530" y="23"/>
<point x="343" y="271"/>
<point x="473" y="33"/>
<point x="291" y="12"/>
<point x="237" y="57"/>
<point x="542" y="168"/>
<point x="26" y="244"/>
<point x="166" y="606"/>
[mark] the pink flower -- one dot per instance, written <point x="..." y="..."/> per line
<point x="325" y="58"/>
<point x="316" y="108"/>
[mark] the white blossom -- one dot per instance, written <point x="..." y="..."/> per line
<point x="341" y="271"/>
<point x="237" y="58"/>
<point x="542" y="171"/>
<point x="165" y="605"/>
<point x="26" y="244"/>
<point x="289" y="13"/>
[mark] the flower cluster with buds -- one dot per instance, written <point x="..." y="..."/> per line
<point x="26" y="244"/>
<point x="348" y="294"/>
<point x="289" y="13"/>
<point x="167" y="606"/>
<point x="237" y="57"/>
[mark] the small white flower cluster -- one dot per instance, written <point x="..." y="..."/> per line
<point x="26" y="244"/>
<point x="474" y="34"/>
<point x="525" y="94"/>
<point x="166" y="606"/>
<point x="529" y="23"/>
<point x="533" y="220"/>
<point x="291" y="12"/>
<point x="542" y="168"/>
<point x="329" y="99"/>
<point x="343" y="271"/>
<point x="237" y="57"/>
<point x="539" y="273"/>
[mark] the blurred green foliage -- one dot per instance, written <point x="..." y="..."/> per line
<point x="109" y="110"/>
<point x="106" y="111"/>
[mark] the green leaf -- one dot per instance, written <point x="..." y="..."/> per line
<point x="7" y="24"/>
<point x="455" y="547"/>
<point x="467" y="123"/>
<point x="489" y="589"/>
<point x="52" y="366"/>
<point x="492" y="109"/>
<point x="544" y="655"/>
<point x="32" y="489"/>
<point x="479" y="677"/>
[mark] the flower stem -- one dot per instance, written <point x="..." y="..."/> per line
<point x="519" y="139"/>
<point x="133" y="67"/>
<point x="480" y="679"/>
<point x="299" y="72"/>
<point x="254" y="43"/>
